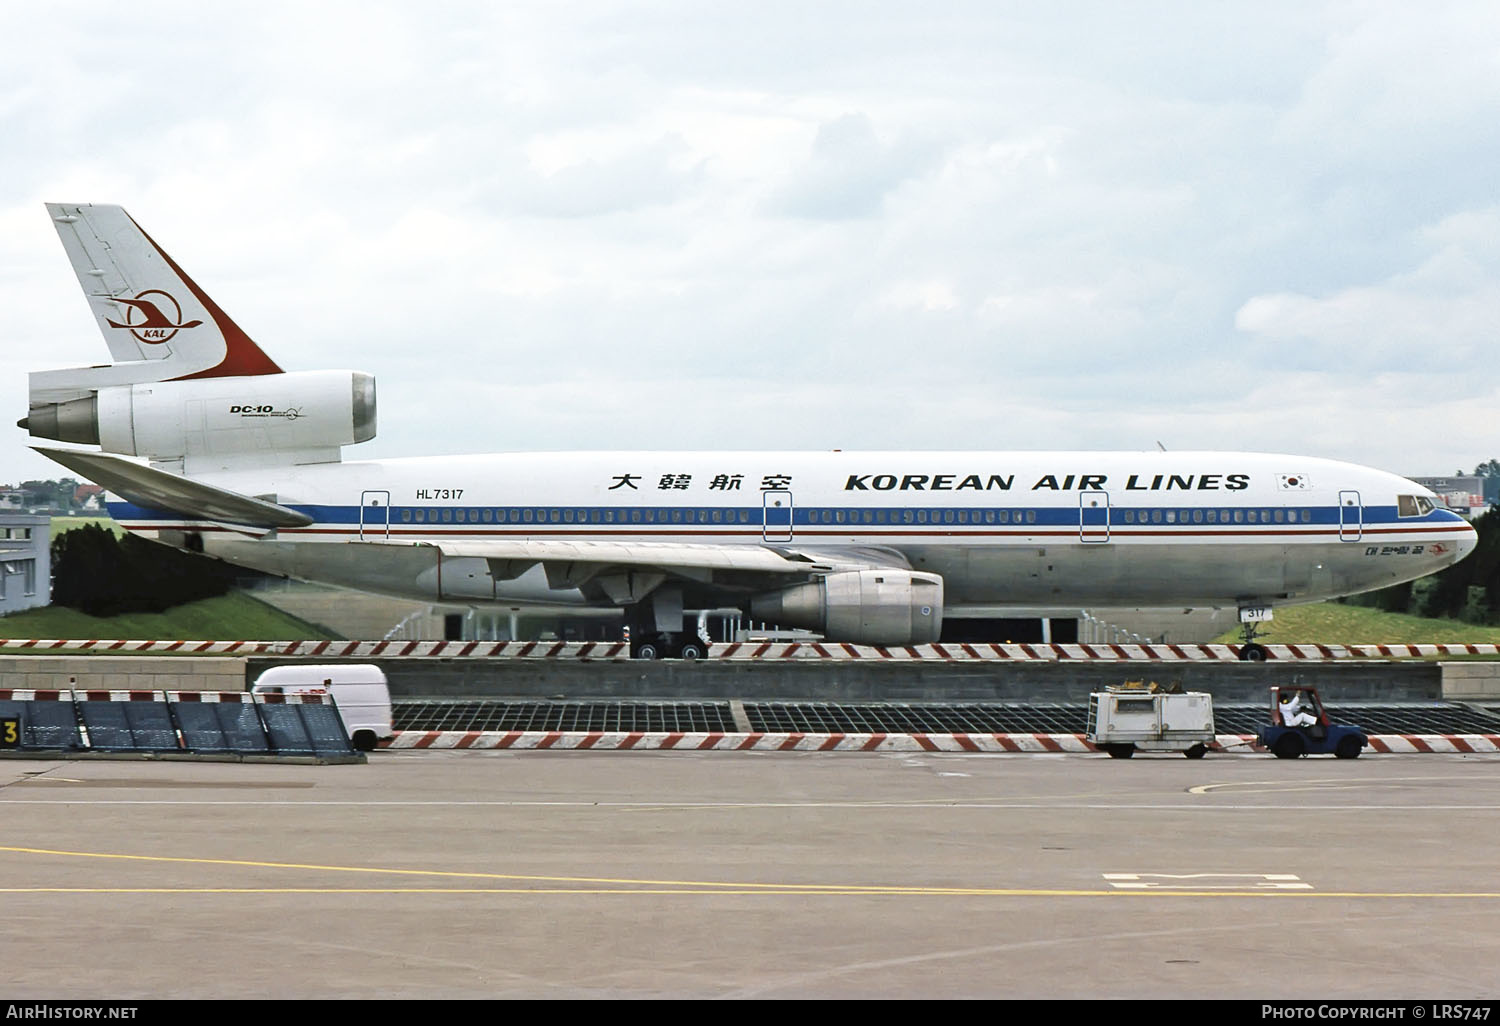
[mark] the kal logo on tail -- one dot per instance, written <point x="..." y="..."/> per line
<point x="145" y="320"/>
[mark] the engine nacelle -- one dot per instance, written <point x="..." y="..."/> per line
<point x="871" y="607"/>
<point x="305" y="416"/>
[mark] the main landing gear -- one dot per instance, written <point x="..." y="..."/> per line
<point x="656" y="628"/>
<point x="666" y="645"/>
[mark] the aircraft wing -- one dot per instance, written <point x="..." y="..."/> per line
<point x="157" y="489"/>
<point x="625" y="571"/>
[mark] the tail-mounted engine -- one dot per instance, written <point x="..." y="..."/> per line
<point x="209" y="423"/>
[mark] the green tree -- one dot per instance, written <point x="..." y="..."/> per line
<point x="99" y="574"/>
<point x="1490" y="471"/>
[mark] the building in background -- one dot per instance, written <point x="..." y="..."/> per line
<point x="1462" y="493"/>
<point x="25" y="561"/>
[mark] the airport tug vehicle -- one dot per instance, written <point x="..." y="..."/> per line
<point x="1300" y="725"/>
<point x="1134" y="717"/>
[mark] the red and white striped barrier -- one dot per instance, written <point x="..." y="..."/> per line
<point x="739" y="651"/>
<point x="971" y="652"/>
<point x="794" y="742"/>
<point x="81" y="695"/>
<point x="240" y="697"/>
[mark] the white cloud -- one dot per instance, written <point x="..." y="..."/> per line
<point x="956" y="225"/>
<point x="1441" y="315"/>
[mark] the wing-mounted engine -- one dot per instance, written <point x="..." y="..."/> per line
<point x="871" y="607"/>
<point x="218" y="422"/>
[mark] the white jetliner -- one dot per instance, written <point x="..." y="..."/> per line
<point x="208" y="444"/>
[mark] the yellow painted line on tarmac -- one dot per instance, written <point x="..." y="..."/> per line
<point x="681" y="885"/>
<point x="597" y="885"/>
<point x="1313" y="783"/>
<point x="770" y="890"/>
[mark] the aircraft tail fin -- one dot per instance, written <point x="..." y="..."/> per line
<point x="159" y="325"/>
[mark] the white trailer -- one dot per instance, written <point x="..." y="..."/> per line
<point x="1124" y="721"/>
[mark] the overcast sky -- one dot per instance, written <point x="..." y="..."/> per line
<point x="1269" y="226"/>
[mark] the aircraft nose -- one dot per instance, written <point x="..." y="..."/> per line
<point x="1467" y="541"/>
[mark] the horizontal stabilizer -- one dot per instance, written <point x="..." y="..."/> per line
<point x="157" y="489"/>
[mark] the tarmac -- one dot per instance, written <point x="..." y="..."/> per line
<point x="620" y="874"/>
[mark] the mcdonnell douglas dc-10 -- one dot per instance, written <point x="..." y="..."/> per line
<point x="208" y="444"/>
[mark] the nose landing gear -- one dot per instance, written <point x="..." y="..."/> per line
<point x="1251" y="618"/>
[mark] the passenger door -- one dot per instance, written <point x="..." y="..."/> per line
<point x="777" y="520"/>
<point x="1351" y="517"/>
<point x="374" y="516"/>
<point x="1093" y="516"/>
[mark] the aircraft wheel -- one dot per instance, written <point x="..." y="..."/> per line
<point x="692" y="650"/>
<point x="1196" y="752"/>
<point x="1348" y="747"/>
<point x="647" y="650"/>
<point x="1120" y="751"/>
<point x="1289" y="746"/>
<point x="1253" y="653"/>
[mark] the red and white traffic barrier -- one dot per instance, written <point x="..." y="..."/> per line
<point x="638" y="741"/>
<point x="1404" y="744"/>
<point x="766" y="650"/>
<point x="240" y="697"/>
<point x="740" y="651"/>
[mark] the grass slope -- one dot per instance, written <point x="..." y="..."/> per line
<point x="232" y="617"/>
<point x="63" y="524"/>
<point x="1333" y="623"/>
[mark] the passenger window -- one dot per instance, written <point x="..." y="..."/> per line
<point x="447" y="516"/>
<point x="1031" y="516"/>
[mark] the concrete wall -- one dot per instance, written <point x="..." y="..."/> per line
<point x="539" y="679"/>
<point x="172" y="673"/>
<point x="1471" y="681"/>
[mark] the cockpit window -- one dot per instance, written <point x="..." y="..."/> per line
<point x="1413" y="505"/>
